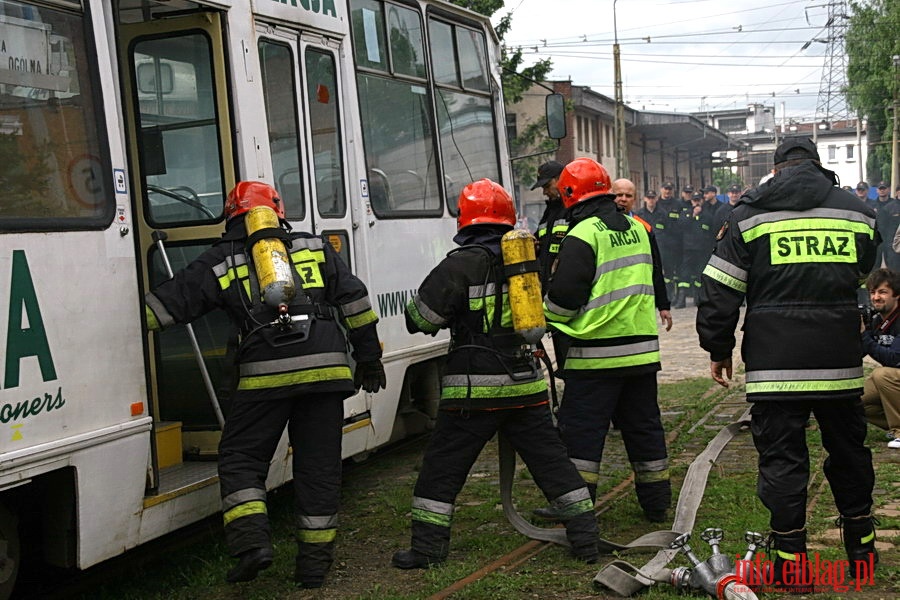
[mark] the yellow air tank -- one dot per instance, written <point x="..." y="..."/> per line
<point x="271" y="260"/>
<point x="525" y="301"/>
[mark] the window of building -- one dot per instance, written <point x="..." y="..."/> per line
<point x="851" y="155"/>
<point x="832" y="153"/>
<point x="733" y="124"/>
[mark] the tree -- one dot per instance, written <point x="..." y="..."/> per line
<point x="516" y="80"/>
<point x="873" y="81"/>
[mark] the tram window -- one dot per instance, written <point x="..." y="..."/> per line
<point x="184" y="183"/>
<point x="396" y="110"/>
<point x="368" y="34"/>
<point x="472" y="55"/>
<point x="465" y="115"/>
<point x="55" y="166"/>
<point x="280" y="91"/>
<point x="399" y="147"/>
<point x="326" y="133"/>
<point x="444" y="68"/>
<point x="468" y="141"/>
<point x="407" y="51"/>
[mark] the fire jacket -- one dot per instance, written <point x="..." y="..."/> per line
<point x="797" y="248"/>
<point x="312" y="355"/>
<point x="550" y="232"/>
<point x="467" y="293"/>
<point x="698" y="230"/>
<point x="669" y="228"/>
<point x="602" y="294"/>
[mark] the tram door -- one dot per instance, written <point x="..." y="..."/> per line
<point x="305" y="113"/>
<point x="301" y="82"/>
<point x="182" y="166"/>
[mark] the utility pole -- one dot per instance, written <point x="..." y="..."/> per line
<point x="621" y="142"/>
<point x="895" y="157"/>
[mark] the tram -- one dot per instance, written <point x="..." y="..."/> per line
<point x="125" y="120"/>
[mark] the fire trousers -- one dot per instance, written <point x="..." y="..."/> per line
<point x="779" y="433"/>
<point x="248" y="443"/>
<point x="588" y="407"/>
<point x="456" y="442"/>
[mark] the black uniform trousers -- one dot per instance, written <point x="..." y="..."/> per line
<point x="455" y="444"/>
<point x="249" y="440"/>
<point x="588" y="407"/>
<point x="670" y="255"/>
<point x="692" y="265"/>
<point x="779" y="433"/>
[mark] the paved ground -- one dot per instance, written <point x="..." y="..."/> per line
<point x="682" y="357"/>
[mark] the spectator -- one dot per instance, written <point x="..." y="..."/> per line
<point x="668" y="235"/>
<point x="881" y="341"/>
<point x="886" y="222"/>
<point x="699" y="238"/>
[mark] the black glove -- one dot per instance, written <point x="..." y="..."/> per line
<point x="370" y="376"/>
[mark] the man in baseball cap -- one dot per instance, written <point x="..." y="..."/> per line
<point x="547" y="172"/>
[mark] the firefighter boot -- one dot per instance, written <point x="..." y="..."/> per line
<point x="430" y="546"/>
<point x="680" y="298"/>
<point x="249" y="564"/>
<point x="582" y="533"/>
<point x="557" y="513"/>
<point x="787" y="548"/>
<point x="314" y="560"/>
<point x="859" y="542"/>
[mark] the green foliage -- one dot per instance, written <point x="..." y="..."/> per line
<point x="516" y="80"/>
<point x="873" y="81"/>
<point x="724" y="177"/>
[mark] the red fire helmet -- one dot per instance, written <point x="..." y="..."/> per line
<point x="581" y="178"/>
<point x="485" y="201"/>
<point x="250" y="194"/>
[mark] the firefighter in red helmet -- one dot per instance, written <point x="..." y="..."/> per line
<point x="293" y="375"/>
<point x="602" y="297"/>
<point x="491" y="383"/>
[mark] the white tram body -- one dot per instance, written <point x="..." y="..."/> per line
<point x="120" y="118"/>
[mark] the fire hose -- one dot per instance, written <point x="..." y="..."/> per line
<point x="713" y="576"/>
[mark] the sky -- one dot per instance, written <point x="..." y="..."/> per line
<point x="701" y="54"/>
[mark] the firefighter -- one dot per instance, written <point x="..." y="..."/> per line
<point x="295" y="375"/>
<point x="553" y="225"/>
<point x="491" y="383"/>
<point x="602" y="296"/>
<point x="669" y="236"/>
<point x="697" y="242"/>
<point x="550" y="232"/>
<point x="796" y="248"/>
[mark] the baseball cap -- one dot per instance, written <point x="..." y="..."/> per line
<point x="882" y="185"/>
<point x="710" y="188"/>
<point x="696" y="196"/>
<point x="795" y="148"/>
<point x="862" y="185"/>
<point x="688" y="189"/>
<point x="734" y="188"/>
<point x="546" y="172"/>
<point x="650" y="194"/>
<point x="668" y="185"/>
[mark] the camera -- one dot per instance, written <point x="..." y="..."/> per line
<point x="867" y="313"/>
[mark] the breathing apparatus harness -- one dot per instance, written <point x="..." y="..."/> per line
<point x="509" y="346"/>
<point x="294" y="319"/>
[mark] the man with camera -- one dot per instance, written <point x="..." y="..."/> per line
<point x="881" y="341"/>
